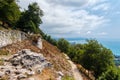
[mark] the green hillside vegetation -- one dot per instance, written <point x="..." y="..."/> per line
<point x="27" y="20"/>
<point x="9" y="12"/>
<point x="92" y="55"/>
<point x="30" y="19"/>
<point x="96" y="58"/>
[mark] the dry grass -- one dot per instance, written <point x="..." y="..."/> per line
<point x="51" y="53"/>
<point x="1" y="61"/>
<point x="4" y="52"/>
<point x="47" y="74"/>
<point x="87" y="75"/>
<point x="4" y="78"/>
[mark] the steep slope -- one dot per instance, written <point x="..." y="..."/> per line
<point x="76" y="73"/>
<point x="58" y="58"/>
<point x="51" y="53"/>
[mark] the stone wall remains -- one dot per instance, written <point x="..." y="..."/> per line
<point x="11" y="36"/>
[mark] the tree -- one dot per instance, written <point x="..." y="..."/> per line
<point x="49" y="39"/>
<point x="9" y="12"/>
<point x="97" y="58"/>
<point x="111" y="74"/>
<point x="31" y="19"/>
<point x="76" y="52"/>
<point x="63" y="45"/>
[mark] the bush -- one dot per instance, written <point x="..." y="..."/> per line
<point x="111" y="74"/>
<point x="97" y="58"/>
<point x="68" y="78"/>
<point x="63" y="45"/>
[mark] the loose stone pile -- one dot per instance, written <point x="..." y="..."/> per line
<point x="23" y="64"/>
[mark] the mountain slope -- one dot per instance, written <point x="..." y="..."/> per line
<point x="50" y="52"/>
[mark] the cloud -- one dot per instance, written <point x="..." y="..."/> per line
<point x="67" y="18"/>
<point x="76" y="3"/>
<point x="103" y="6"/>
<point x="89" y="32"/>
<point x="66" y="21"/>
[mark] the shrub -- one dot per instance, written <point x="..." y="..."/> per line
<point x="68" y="78"/>
<point x="111" y="74"/>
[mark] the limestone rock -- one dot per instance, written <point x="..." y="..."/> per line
<point x="39" y="43"/>
<point x="24" y="63"/>
<point x="2" y="74"/>
<point x="11" y="36"/>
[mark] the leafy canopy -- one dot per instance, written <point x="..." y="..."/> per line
<point x="9" y="12"/>
<point x="30" y="19"/>
<point x="63" y="45"/>
<point x="97" y="58"/>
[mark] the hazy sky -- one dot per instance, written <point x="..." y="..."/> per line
<point x="79" y="18"/>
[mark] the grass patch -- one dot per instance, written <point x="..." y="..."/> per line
<point x="68" y="78"/>
<point x="4" y="52"/>
<point x="1" y="61"/>
<point x="2" y="28"/>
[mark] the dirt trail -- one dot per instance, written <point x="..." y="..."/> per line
<point x="77" y="75"/>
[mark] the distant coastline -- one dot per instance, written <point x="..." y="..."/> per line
<point x="114" y="46"/>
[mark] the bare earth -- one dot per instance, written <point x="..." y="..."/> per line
<point x="77" y="75"/>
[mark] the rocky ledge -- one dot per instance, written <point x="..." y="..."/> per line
<point x="23" y="64"/>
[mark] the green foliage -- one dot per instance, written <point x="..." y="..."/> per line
<point x="67" y="78"/>
<point x="9" y="12"/>
<point x="30" y="19"/>
<point x="63" y="45"/>
<point x="111" y="74"/>
<point x="76" y="52"/>
<point x="35" y="13"/>
<point x="49" y="39"/>
<point x="97" y="58"/>
<point x="91" y="55"/>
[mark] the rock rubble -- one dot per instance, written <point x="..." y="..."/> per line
<point x="23" y="64"/>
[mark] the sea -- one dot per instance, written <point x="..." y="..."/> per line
<point x="113" y="45"/>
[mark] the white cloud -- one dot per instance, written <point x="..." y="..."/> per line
<point x="63" y="18"/>
<point x="94" y="2"/>
<point x="68" y="2"/>
<point x="103" y="6"/>
<point x="89" y="32"/>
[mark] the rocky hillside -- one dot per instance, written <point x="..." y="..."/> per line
<point x="25" y="60"/>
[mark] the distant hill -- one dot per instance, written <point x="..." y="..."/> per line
<point x="117" y="60"/>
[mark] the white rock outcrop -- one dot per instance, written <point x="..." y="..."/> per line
<point x="23" y="64"/>
<point x="39" y="43"/>
<point x="11" y="36"/>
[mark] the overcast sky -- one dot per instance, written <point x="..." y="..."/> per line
<point x="79" y="18"/>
